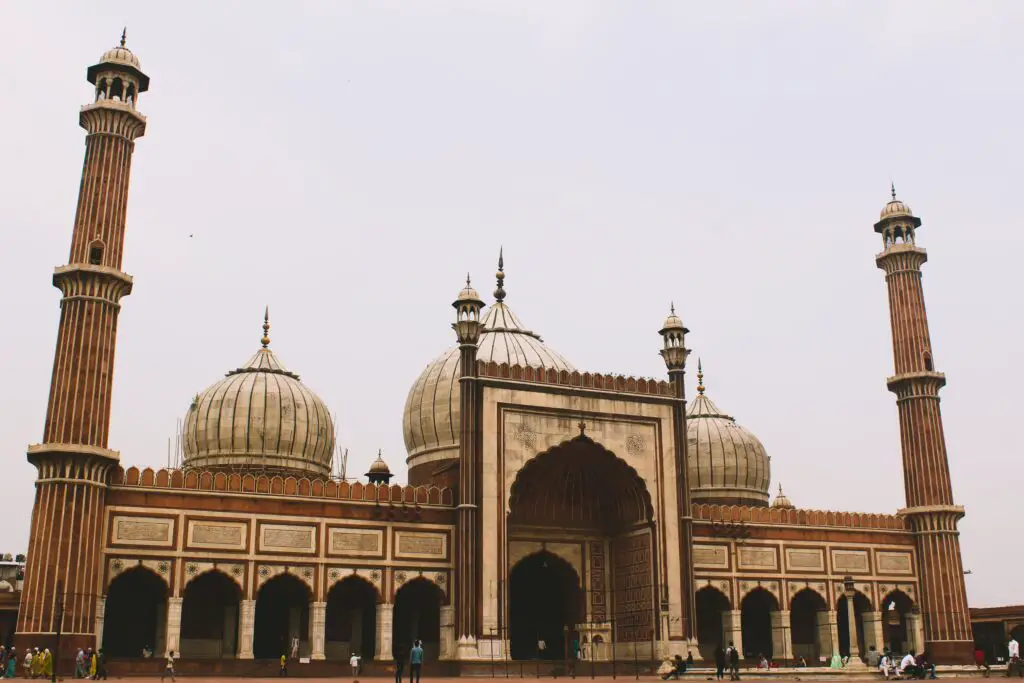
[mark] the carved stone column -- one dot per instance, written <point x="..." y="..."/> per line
<point x="247" y="624"/>
<point x="782" y="641"/>
<point x="856" y="647"/>
<point x="317" y="625"/>
<point x="833" y="622"/>
<point x="447" y="632"/>
<point x="385" y="624"/>
<point x="732" y="629"/>
<point x="101" y="610"/>
<point x="173" y="632"/>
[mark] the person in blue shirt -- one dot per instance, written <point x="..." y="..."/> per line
<point x="415" y="661"/>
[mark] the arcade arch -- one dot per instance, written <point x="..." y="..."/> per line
<point x="896" y="609"/>
<point x="282" y="615"/>
<point x="756" y="617"/>
<point x="350" y="624"/>
<point x="417" y="616"/>
<point x="711" y="605"/>
<point x="209" y="616"/>
<point x="809" y="626"/>
<point x="580" y="494"/>
<point x="136" y="613"/>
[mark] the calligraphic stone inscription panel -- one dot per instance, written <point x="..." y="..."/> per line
<point x="598" y="608"/>
<point x="282" y="538"/>
<point x="805" y="559"/>
<point x="711" y="556"/>
<point x="421" y="545"/>
<point x="894" y="563"/>
<point x="157" y="531"/>
<point x="758" y="558"/>
<point x="633" y="597"/>
<point x="853" y="561"/>
<point x="369" y="543"/>
<point x="221" y="535"/>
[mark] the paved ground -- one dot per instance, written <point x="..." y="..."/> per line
<point x="602" y="679"/>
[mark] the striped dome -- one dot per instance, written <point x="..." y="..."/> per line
<point x="259" y="417"/>
<point x="431" y="419"/>
<point x="726" y="463"/>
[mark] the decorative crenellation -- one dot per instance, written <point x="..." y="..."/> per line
<point x="583" y="380"/>
<point x="764" y="515"/>
<point x="282" y="486"/>
<point x="91" y="283"/>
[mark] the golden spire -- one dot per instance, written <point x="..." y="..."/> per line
<point x="700" y="378"/>
<point x="499" y="291"/>
<point x="124" y="35"/>
<point x="266" y="328"/>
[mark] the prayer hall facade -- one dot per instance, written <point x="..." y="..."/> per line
<point x="548" y="510"/>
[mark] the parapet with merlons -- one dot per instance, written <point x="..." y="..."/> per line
<point x="581" y="380"/>
<point x="265" y="485"/>
<point x="740" y="514"/>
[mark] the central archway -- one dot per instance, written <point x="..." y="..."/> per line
<point x="546" y="603"/>
<point x="136" y="613"/>
<point x="589" y="503"/>
<point x="209" y="616"/>
<point x="282" y="615"/>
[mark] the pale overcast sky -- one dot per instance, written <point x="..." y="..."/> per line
<point x="347" y="163"/>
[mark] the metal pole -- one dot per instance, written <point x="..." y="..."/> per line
<point x="59" y="616"/>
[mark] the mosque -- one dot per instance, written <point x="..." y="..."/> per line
<point x="605" y="517"/>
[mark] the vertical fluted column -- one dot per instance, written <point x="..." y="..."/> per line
<point x="73" y="460"/>
<point x="930" y="508"/>
<point x="385" y="626"/>
<point x="173" y="631"/>
<point x="467" y="575"/>
<point x="246" y="628"/>
<point x="317" y="628"/>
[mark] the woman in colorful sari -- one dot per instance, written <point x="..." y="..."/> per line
<point x="12" y="663"/>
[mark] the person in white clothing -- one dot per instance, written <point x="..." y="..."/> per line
<point x="354" y="663"/>
<point x="1014" y="647"/>
<point x="908" y="667"/>
<point x="1014" y="664"/>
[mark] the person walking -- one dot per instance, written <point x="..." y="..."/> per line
<point x="415" y="661"/>
<point x="734" y="662"/>
<point x="353" y="661"/>
<point x="101" y="665"/>
<point x="168" y="667"/>
<point x="283" y="671"/>
<point x="12" y="663"/>
<point x="719" y="662"/>
<point x="27" y="663"/>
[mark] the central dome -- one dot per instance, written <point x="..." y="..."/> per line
<point x="430" y="423"/>
<point x="259" y="417"/>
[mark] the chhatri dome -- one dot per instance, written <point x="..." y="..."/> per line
<point x="727" y="464"/>
<point x="430" y="422"/>
<point x="260" y="417"/>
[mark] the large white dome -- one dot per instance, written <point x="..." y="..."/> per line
<point x="260" y="417"/>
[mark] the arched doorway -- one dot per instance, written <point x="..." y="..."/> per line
<point x="711" y="604"/>
<point x="136" y="614"/>
<point x="282" y="614"/>
<point x="209" y="617"/>
<point x="351" y="620"/>
<point x="812" y="638"/>
<point x="896" y="607"/>
<point x="756" y="617"/>
<point x="860" y="605"/>
<point x="417" y="616"/>
<point x="581" y="494"/>
<point x="545" y="604"/>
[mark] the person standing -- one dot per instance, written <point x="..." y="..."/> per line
<point x="353" y="662"/>
<point x="400" y="655"/>
<point x="1013" y="657"/>
<point x="12" y="663"/>
<point x="101" y="665"/>
<point x="168" y="667"/>
<point x="734" y="663"/>
<point x="283" y="671"/>
<point x="719" y="662"/>
<point x="415" y="661"/>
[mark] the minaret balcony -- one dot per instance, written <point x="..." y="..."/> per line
<point x="86" y="281"/>
<point x="922" y="384"/>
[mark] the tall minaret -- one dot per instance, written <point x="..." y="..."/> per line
<point x="73" y="460"/>
<point x="930" y="508"/>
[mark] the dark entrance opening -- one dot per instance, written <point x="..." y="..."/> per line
<point x="803" y="622"/>
<point x="135" y="612"/>
<point x="209" y="617"/>
<point x="282" y="614"/>
<point x="351" y="620"/>
<point x="545" y="604"/>
<point x="756" y="617"/>
<point x="895" y="608"/>
<point x="711" y="603"/>
<point x="417" y="616"/>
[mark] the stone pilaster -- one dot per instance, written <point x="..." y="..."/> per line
<point x="732" y="629"/>
<point x="874" y="632"/>
<point x="172" y="633"/>
<point x="856" y="647"/>
<point x="447" y="632"/>
<point x="825" y="634"/>
<point x="383" y="637"/>
<point x="101" y="611"/>
<point x="317" y="628"/>
<point x="246" y="628"/>
<point x="782" y="636"/>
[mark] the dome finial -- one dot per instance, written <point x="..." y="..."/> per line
<point x="124" y="35"/>
<point x="467" y="279"/>
<point x="672" y="307"/>
<point x="700" y="378"/>
<point x="499" y="291"/>
<point x="265" y="341"/>
<point x="892" y="189"/>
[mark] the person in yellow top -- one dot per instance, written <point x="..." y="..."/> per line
<point x="47" y="663"/>
<point x="284" y="666"/>
<point x="92" y="664"/>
